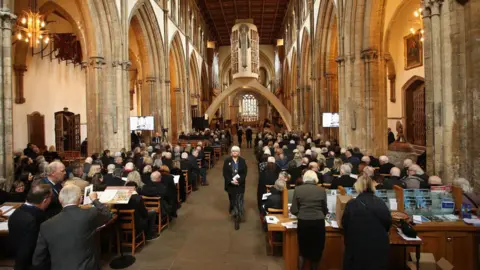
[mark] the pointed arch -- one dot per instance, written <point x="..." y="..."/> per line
<point x="179" y="113"/>
<point x="250" y="85"/>
<point x="205" y="88"/>
<point x="194" y="83"/>
<point x="304" y="98"/>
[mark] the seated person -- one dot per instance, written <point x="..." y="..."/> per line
<point x="157" y="189"/>
<point x="345" y="180"/>
<point x="393" y="179"/>
<point x="434" y="181"/>
<point x="144" y="219"/>
<point x="275" y="199"/>
<point x="98" y="184"/>
<point x="415" y="178"/>
<point x="385" y="166"/>
<point x="116" y="179"/>
<point x="18" y="193"/>
<point x="469" y="195"/>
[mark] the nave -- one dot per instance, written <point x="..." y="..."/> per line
<point x="203" y="236"/>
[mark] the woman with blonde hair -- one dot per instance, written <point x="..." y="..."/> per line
<point x="309" y="204"/>
<point x="366" y="222"/>
<point x="135" y="176"/>
<point x="94" y="169"/>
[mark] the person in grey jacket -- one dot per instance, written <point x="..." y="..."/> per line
<point x="67" y="241"/>
<point x="309" y="204"/>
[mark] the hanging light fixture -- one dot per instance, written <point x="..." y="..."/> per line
<point x="418" y="20"/>
<point x="31" y="27"/>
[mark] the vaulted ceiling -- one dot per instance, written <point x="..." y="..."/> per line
<point x="267" y="15"/>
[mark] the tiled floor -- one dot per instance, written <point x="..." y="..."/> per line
<point x="203" y="236"/>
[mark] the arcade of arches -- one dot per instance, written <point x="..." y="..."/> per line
<point x="94" y="71"/>
<point x="408" y="65"/>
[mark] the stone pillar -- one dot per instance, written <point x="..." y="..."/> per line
<point x="374" y="106"/>
<point x="138" y="86"/>
<point x="19" y="72"/>
<point x="179" y="110"/>
<point x="94" y="80"/>
<point x="6" y="118"/>
<point x="433" y="87"/>
<point x="342" y="107"/>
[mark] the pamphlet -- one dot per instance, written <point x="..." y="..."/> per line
<point x="265" y="196"/>
<point x="406" y="237"/>
<point x="176" y="179"/>
<point x="88" y="190"/>
<point x="271" y="219"/>
<point x="5" y="208"/>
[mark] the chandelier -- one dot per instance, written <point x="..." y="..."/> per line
<point x="31" y="27"/>
<point x="419" y="29"/>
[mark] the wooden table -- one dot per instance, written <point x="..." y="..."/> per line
<point x="455" y="241"/>
<point x="15" y="206"/>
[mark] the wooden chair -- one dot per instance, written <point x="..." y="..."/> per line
<point x="129" y="233"/>
<point x="342" y="190"/>
<point x="217" y="153"/>
<point x="188" y="187"/>
<point x="199" y="178"/>
<point x="153" y="203"/>
<point x="208" y="158"/>
<point x="272" y="211"/>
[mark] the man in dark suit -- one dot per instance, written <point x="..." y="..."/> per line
<point x="67" y="241"/>
<point x="248" y="136"/>
<point x="345" y="180"/>
<point x="114" y="179"/>
<point x="355" y="161"/>
<point x="385" y="166"/>
<point x="55" y="175"/>
<point x="24" y="225"/>
<point x="194" y="172"/>
<point x="157" y="139"/>
<point x="394" y="179"/>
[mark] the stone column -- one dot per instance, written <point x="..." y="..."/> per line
<point x="138" y="86"/>
<point x="342" y="108"/>
<point x="94" y="79"/>
<point x="6" y="118"/>
<point x="179" y="110"/>
<point x="19" y="72"/>
<point x="374" y="106"/>
<point x="433" y="86"/>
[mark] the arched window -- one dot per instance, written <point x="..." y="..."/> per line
<point x="249" y="108"/>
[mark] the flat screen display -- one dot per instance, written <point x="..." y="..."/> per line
<point x="331" y="119"/>
<point x="142" y="123"/>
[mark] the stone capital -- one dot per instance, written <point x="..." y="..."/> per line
<point x="178" y="90"/>
<point x="151" y="79"/>
<point x="84" y="65"/>
<point x="6" y="14"/>
<point x="340" y="59"/>
<point x="97" y="62"/>
<point x="391" y="77"/>
<point x="329" y="76"/>
<point x="369" y="55"/>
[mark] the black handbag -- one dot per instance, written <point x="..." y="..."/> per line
<point x="407" y="229"/>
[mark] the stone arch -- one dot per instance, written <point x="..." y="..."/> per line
<point x="286" y="85"/>
<point x="194" y="83"/>
<point x="252" y="85"/>
<point x="206" y="95"/>
<point x="305" y="75"/>
<point x="326" y="39"/>
<point x="178" y="98"/>
<point x="148" y="35"/>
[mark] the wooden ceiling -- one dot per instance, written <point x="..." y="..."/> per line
<point x="267" y="15"/>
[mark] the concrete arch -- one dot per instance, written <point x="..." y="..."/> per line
<point x="250" y="85"/>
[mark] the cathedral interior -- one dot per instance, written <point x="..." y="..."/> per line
<point x="77" y="71"/>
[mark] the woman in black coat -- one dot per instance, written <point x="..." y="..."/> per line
<point x="366" y="222"/>
<point x="267" y="177"/>
<point x="234" y="174"/>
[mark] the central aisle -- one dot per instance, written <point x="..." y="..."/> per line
<point x="203" y="236"/>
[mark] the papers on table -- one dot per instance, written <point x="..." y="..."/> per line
<point x="6" y="208"/>
<point x="393" y="204"/>
<point x="271" y="219"/>
<point x="108" y="195"/>
<point x="290" y="225"/>
<point x="334" y="224"/>
<point x="176" y="179"/>
<point x="4" y="226"/>
<point x="265" y="196"/>
<point x="9" y="213"/>
<point x="406" y="237"/>
<point x="472" y="221"/>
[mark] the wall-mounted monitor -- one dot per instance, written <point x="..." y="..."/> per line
<point x="331" y="119"/>
<point x="142" y="123"/>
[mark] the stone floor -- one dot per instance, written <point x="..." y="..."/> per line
<point x="203" y="236"/>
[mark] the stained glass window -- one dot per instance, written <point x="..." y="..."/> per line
<point x="249" y="108"/>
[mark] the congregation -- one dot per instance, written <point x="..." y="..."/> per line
<point x="53" y="191"/>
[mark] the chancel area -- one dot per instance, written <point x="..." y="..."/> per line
<point x="239" y="134"/>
